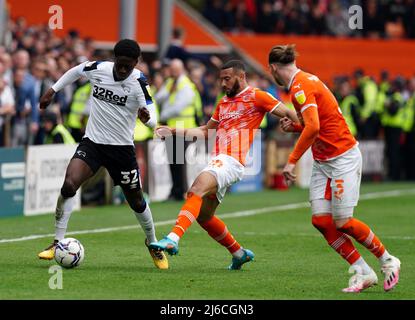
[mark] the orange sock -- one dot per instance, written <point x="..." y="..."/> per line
<point x="336" y="239"/>
<point x="188" y="214"/>
<point x="362" y="233"/>
<point x="218" y="231"/>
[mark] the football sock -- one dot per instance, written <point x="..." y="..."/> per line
<point x="145" y="219"/>
<point x="362" y="265"/>
<point x="188" y="214"/>
<point x="362" y="233"/>
<point x="336" y="239"/>
<point x="64" y="208"/>
<point x="384" y="257"/>
<point x="217" y="229"/>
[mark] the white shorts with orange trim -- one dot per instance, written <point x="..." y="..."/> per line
<point x="335" y="184"/>
<point x="227" y="171"/>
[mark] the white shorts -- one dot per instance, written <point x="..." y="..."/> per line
<point x="335" y="184"/>
<point x="227" y="171"/>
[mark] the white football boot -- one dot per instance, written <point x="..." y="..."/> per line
<point x="360" y="281"/>
<point x="391" y="269"/>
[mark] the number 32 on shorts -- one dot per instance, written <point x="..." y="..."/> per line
<point x="131" y="178"/>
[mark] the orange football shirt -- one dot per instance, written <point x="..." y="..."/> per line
<point x="334" y="137"/>
<point x="238" y="119"/>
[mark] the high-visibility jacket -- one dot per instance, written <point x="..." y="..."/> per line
<point x="76" y="113"/>
<point x="382" y="94"/>
<point x="189" y="115"/>
<point x="394" y="120"/>
<point x="66" y="135"/>
<point x="409" y="119"/>
<point x="346" y="107"/>
<point x="370" y="92"/>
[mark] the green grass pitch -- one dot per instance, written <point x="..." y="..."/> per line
<point x="293" y="260"/>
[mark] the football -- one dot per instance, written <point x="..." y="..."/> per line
<point x="69" y="253"/>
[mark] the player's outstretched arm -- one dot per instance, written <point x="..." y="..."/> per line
<point x="199" y="132"/>
<point x="68" y="77"/>
<point x="202" y="131"/>
<point x="283" y="111"/>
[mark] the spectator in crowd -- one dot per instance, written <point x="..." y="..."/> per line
<point x="366" y="92"/>
<point x="41" y="83"/>
<point x="392" y="119"/>
<point x="55" y="132"/>
<point x="267" y="18"/>
<point x="7" y="63"/>
<point x="180" y="104"/>
<point x="76" y="120"/>
<point x="390" y="18"/>
<point x="373" y="25"/>
<point x="176" y="50"/>
<point x="409" y="129"/>
<point x="337" y="20"/>
<point x="7" y="109"/>
<point x="349" y="105"/>
<point x="26" y="121"/>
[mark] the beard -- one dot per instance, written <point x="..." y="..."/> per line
<point x="234" y="90"/>
<point x="278" y="81"/>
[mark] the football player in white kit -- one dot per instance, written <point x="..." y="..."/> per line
<point x="120" y="94"/>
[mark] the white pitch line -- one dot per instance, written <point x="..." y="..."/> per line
<point x="245" y="213"/>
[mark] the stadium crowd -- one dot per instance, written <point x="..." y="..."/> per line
<point x="384" y="18"/>
<point x="35" y="58"/>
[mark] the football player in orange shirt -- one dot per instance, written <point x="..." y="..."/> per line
<point x="235" y="121"/>
<point x="337" y="169"/>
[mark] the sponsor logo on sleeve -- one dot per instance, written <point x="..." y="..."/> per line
<point x="300" y="96"/>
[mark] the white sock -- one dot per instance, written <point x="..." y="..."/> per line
<point x="362" y="265"/>
<point x="63" y="212"/>
<point x="174" y="237"/>
<point x="384" y="257"/>
<point x="145" y="219"/>
<point x="239" y="253"/>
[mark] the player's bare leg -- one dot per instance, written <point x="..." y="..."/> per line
<point x="76" y="174"/>
<point x="204" y="184"/>
<point x="217" y="229"/>
<point x="144" y="216"/>
<point x="390" y="265"/>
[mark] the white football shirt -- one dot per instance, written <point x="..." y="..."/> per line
<point x="113" y="104"/>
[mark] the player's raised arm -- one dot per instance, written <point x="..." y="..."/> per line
<point x="68" y="77"/>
